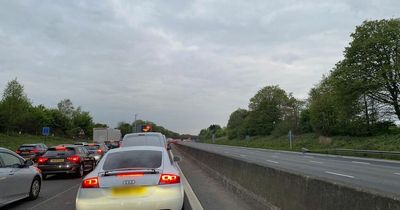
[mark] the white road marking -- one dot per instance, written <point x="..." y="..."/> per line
<point x="397" y="174"/>
<point x="308" y="156"/>
<point x="226" y="152"/>
<point x="274" y="156"/>
<point x="55" y="196"/>
<point x="192" y="198"/>
<point x="271" y="161"/>
<point x="364" y="163"/>
<point x="328" y="172"/>
<point x="242" y="155"/>
<point x="311" y="161"/>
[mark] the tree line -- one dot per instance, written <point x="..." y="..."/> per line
<point x="360" y="95"/>
<point x="19" y="115"/>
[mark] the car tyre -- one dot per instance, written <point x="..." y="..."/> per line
<point x="80" y="171"/>
<point x="35" y="189"/>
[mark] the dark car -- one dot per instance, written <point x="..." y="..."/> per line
<point x="97" y="150"/>
<point x="67" y="159"/>
<point x="31" y="151"/>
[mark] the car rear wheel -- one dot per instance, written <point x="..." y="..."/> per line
<point x="35" y="189"/>
<point x="80" y="171"/>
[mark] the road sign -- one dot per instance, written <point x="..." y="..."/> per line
<point x="45" y="131"/>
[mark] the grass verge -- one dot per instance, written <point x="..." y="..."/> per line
<point x="319" y="144"/>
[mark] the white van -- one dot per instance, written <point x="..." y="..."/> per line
<point x="145" y="139"/>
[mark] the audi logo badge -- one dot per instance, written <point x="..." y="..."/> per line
<point x="128" y="182"/>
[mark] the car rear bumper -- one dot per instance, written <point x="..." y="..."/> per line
<point x="161" y="198"/>
<point x="59" y="169"/>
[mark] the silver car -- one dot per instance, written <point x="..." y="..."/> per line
<point x="19" y="179"/>
<point x="141" y="178"/>
<point x="145" y="139"/>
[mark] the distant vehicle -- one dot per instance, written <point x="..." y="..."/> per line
<point x="19" y="179"/>
<point x="71" y="159"/>
<point x="110" y="136"/>
<point x="32" y="151"/>
<point x="145" y="139"/>
<point x="135" y="178"/>
<point x="97" y="150"/>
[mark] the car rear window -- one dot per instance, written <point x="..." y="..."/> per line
<point x="22" y="148"/>
<point x="142" y="141"/>
<point x="92" y="147"/>
<point x="133" y="159"/>
<point x="59" y="152"/>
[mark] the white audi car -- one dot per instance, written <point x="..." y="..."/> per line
<point x="140" y="178"/>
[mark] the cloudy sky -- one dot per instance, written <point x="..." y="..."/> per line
<point x="182" y="64"/>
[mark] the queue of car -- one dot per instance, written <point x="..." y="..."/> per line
<point x="141" y="173"/>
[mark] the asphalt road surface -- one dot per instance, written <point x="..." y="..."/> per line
<point x="373" y="174"/>
<point x="58" y="192"/>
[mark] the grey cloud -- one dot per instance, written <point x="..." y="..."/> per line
<point x="182" y="64"/>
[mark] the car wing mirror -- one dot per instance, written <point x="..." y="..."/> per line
<point x="177" y="158"/>
<point x="28" y="163"/>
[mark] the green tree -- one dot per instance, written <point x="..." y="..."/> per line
<point x="372" y="64"/>
<point x="236" y="127"/>
<point x="14" y="108"/>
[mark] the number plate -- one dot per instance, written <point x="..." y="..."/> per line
<point x="56" y="160"/>
<point x="129" y="191"/>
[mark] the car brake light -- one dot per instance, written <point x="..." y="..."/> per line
<point x="130" y="174"/>
<point x="99" y="151"/>
<point x="60" y="148"/>
<point x="74" y="159"/>
<point x="42" y="160"/>
<point x="91" y="183"/>
<point x="34" y="151"/>
<point x="169" y="179"/>
<point x="18" y="151"/>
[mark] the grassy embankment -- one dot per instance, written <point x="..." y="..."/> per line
<point x="322" y="144"/>
<point x="12" y="142"/>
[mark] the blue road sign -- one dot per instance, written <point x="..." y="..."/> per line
<point x="45" y="131"/>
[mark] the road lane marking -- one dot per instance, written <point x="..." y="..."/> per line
<point x="271" y="161"/>
<point x="242" y="155"/>
<point x="397" y="174"/>
<point x="337" y="174"/>
<point x="274" y="156"/>
<point x="358" y="162"/>
<point x="226" y="152"/>
<point x="55" y="196"/>
<point x="308" y="156"/>
<point x="311" y="161"/>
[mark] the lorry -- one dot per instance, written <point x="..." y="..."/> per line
<point x="109" y="136"/>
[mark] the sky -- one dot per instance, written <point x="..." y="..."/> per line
<point x="181" y="64"/>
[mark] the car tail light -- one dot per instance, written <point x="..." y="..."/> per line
<point x="74" y="159"/>
<point x="18" y="151"/>
<point x="99" y="151"/>
<point x="34" y="151"/>
<point x="42" y="160"/>
<point x="169" y="179"/>
<point x="91" y="183"/>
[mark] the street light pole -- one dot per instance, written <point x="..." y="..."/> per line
<point x="135" y="123"/>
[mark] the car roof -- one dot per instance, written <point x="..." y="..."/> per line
<point x="135" y="148"/>
<point x="145" y="134"/>
<point x="30" y="144"/>
<point x="67" y="145"/>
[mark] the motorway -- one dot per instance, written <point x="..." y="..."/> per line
<point x="377" y="175"/>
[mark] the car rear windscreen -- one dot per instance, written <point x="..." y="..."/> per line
<point x="59" y="152"/>
<point x="133" y="159"/>
<point x="25" y="148"/>
<point x="92" y="147"/>
<point x="142" y="141"/>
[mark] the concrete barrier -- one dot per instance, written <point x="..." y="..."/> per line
<point x="270" y="188"/>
